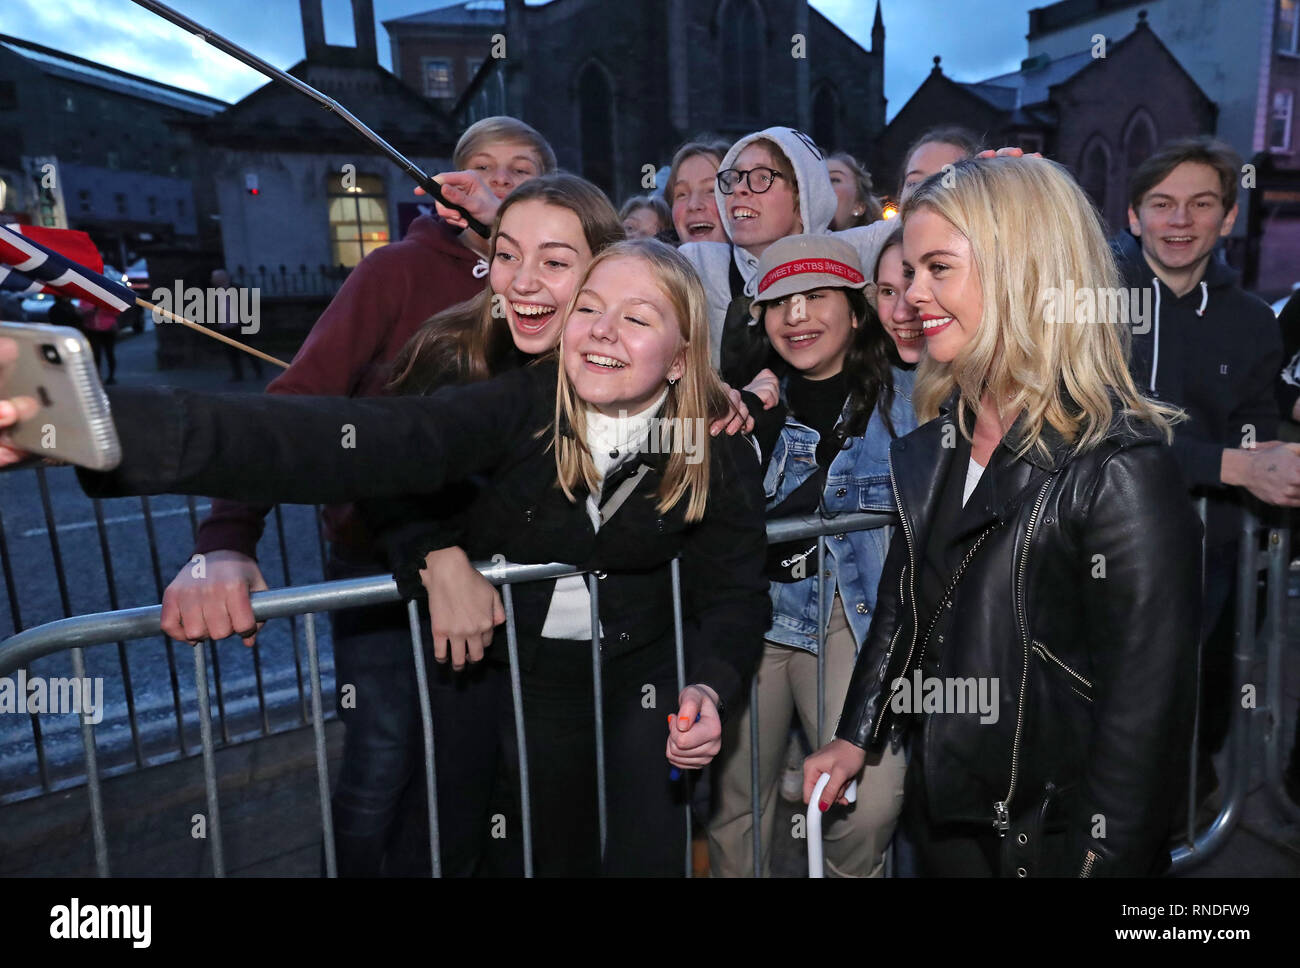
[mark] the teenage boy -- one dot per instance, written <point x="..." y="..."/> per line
<point x="1214" y="350"/>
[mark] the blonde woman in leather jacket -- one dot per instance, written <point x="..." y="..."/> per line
<point x="1035" y="637"/>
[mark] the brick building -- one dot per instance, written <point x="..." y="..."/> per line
<point x="299" y="191"/>
<point x="1245" y="54"/>
<point x="121" y="163"/>
<point x="616" y="86"/>
<point x="1101" y="116"/>
<point x="438" y="52"/>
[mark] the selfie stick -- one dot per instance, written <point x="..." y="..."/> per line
<point x="261" y="66"/>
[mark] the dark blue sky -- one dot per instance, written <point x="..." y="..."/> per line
<point x="976" y="40"/>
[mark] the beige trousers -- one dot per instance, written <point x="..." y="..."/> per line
<point x="855" y="840"/>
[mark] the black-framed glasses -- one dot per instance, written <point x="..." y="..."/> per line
<point x="759" y="179"/>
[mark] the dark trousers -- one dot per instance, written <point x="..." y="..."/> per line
<point x="237" y="357"/>
<point x="944" y="850"/>
<point x="103" y="344"/>
<point x="380" y="812"/>
<point x="646" y="809"/>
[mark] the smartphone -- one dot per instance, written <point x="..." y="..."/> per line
<point x="56" y="368"/>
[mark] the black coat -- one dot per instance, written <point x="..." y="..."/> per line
<point x="1096" y="666"/>
<point x="1216" y="352"/>
<point x="273" y="449"/>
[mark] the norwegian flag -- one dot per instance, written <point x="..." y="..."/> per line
<point x="58" y="260"/>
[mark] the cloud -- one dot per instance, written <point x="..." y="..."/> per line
<point x="120" y="34"/>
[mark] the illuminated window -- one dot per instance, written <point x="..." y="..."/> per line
<point x="437" y="78"/>
<point x="358" y="218"/>
<point x="1279" y="127"/>
<point x="1288" y="26"/>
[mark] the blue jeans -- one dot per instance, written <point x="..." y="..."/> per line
<point x="380" y="813"/>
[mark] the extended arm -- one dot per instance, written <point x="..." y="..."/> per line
<point x="312" y="450"/>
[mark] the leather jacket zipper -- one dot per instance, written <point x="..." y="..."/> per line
<point x="1089" y="859"/>
<point x="1002" y="809"/>
<point x="911" y="571"/>
<point x="1046" y="653"/>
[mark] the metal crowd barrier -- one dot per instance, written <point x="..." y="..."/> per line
<point x="77" y="632"/>
<point x="148" y="513"/>
<point x="1274" y="561"/>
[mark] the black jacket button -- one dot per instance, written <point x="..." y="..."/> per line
<point x="528" y="515"/>
<point x="841" y="491"/>
<point x="624" y="637"/>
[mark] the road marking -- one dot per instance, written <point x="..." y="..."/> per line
<point x="116" y="519"/>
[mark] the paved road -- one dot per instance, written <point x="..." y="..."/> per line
<point x="41" y="599"/>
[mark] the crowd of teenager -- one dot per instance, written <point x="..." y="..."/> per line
<point x="617" y="389"/>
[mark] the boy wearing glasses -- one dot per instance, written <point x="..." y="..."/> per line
<point x="771" y="184"/>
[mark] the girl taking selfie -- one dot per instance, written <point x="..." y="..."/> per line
<point x="634" y="347"/>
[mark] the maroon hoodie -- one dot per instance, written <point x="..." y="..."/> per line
<point x="382" y="303"/>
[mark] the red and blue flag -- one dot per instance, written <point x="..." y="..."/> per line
<point x="58" y="261"/>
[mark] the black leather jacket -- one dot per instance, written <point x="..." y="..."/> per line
<point x="1084" y="607"/>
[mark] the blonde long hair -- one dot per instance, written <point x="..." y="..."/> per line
<point x="697" y="396"/>
<point x="1033" y="233"/>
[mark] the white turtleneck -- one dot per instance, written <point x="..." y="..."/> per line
<point x="611" y="440"/>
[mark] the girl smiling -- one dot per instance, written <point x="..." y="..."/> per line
<point x="640" y="306"/>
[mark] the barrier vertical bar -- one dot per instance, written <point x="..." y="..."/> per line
<point x="169" y="645"/>
<point x="517" y="697"/>
<point x="15" y="613"/>
<point x="1243" y="657"/>
<point x="192" y="506"/>
<point x="426" y="725"/>
<point x="1202" y="509"/>
<point x="209" y="763"/>
<point x="1279" y="549"/>
<point x="105" y="553"/>
<point x="756" y="814"/>
<point x="293" y="622"/>
<point x="679" y="648"/>
<point x="602" y="819"/>
<point x="92" y="775"/>
<point x="320" y="536"/>
<point x="79" y="670"/>
<point x="823" y="619"/>
<point x="322" y="760"/>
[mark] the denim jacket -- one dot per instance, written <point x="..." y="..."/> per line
<point x="858" y="480"/>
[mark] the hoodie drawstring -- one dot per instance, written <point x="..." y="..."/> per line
<point x="1155" y="338"/>
<point x="1155" y="350"/>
